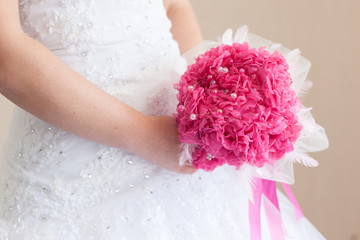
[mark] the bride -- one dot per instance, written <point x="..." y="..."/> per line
<point x="92" y="151"/>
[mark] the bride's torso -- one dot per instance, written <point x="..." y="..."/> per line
<point x="126" y="48"/>
<point x="117" y="44"/>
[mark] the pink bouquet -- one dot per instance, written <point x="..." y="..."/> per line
<point x="239" y="105"/>
<point x="236" y="106"/>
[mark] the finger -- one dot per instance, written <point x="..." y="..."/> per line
<point x="188" y="170"/>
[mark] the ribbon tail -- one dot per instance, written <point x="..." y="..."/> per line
<point x="254" y="210"/>
<point x="292" y="198"/>
<point x="272" y="210"/>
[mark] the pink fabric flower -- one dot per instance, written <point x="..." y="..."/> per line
<point x="236" y="105"/>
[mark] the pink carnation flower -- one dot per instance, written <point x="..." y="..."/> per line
<point x="236" y="106"/>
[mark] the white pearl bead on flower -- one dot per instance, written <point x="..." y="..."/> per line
<point x="181" y="108"/>
<point x="223" y="70"/>
<point x="193" y="116"/>
<point x="209" y="156"/>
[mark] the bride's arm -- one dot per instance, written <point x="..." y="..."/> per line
<point x="39" y="82"/>
<point x="185" y="27"/>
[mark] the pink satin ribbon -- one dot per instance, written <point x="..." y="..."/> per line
<point x="292" y="198"/>
<point x="254" y="210"/>
<point x="265" y="190"/>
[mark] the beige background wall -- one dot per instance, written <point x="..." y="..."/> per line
<point x="328" y="33"/>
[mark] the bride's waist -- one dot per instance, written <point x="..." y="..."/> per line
<point x="39" y="151"/>
<point x="35" y="146"/>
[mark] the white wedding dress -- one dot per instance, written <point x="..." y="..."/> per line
<point x="56" y="186"/>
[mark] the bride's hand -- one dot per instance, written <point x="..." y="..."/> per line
<point x="164" y="146"/>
